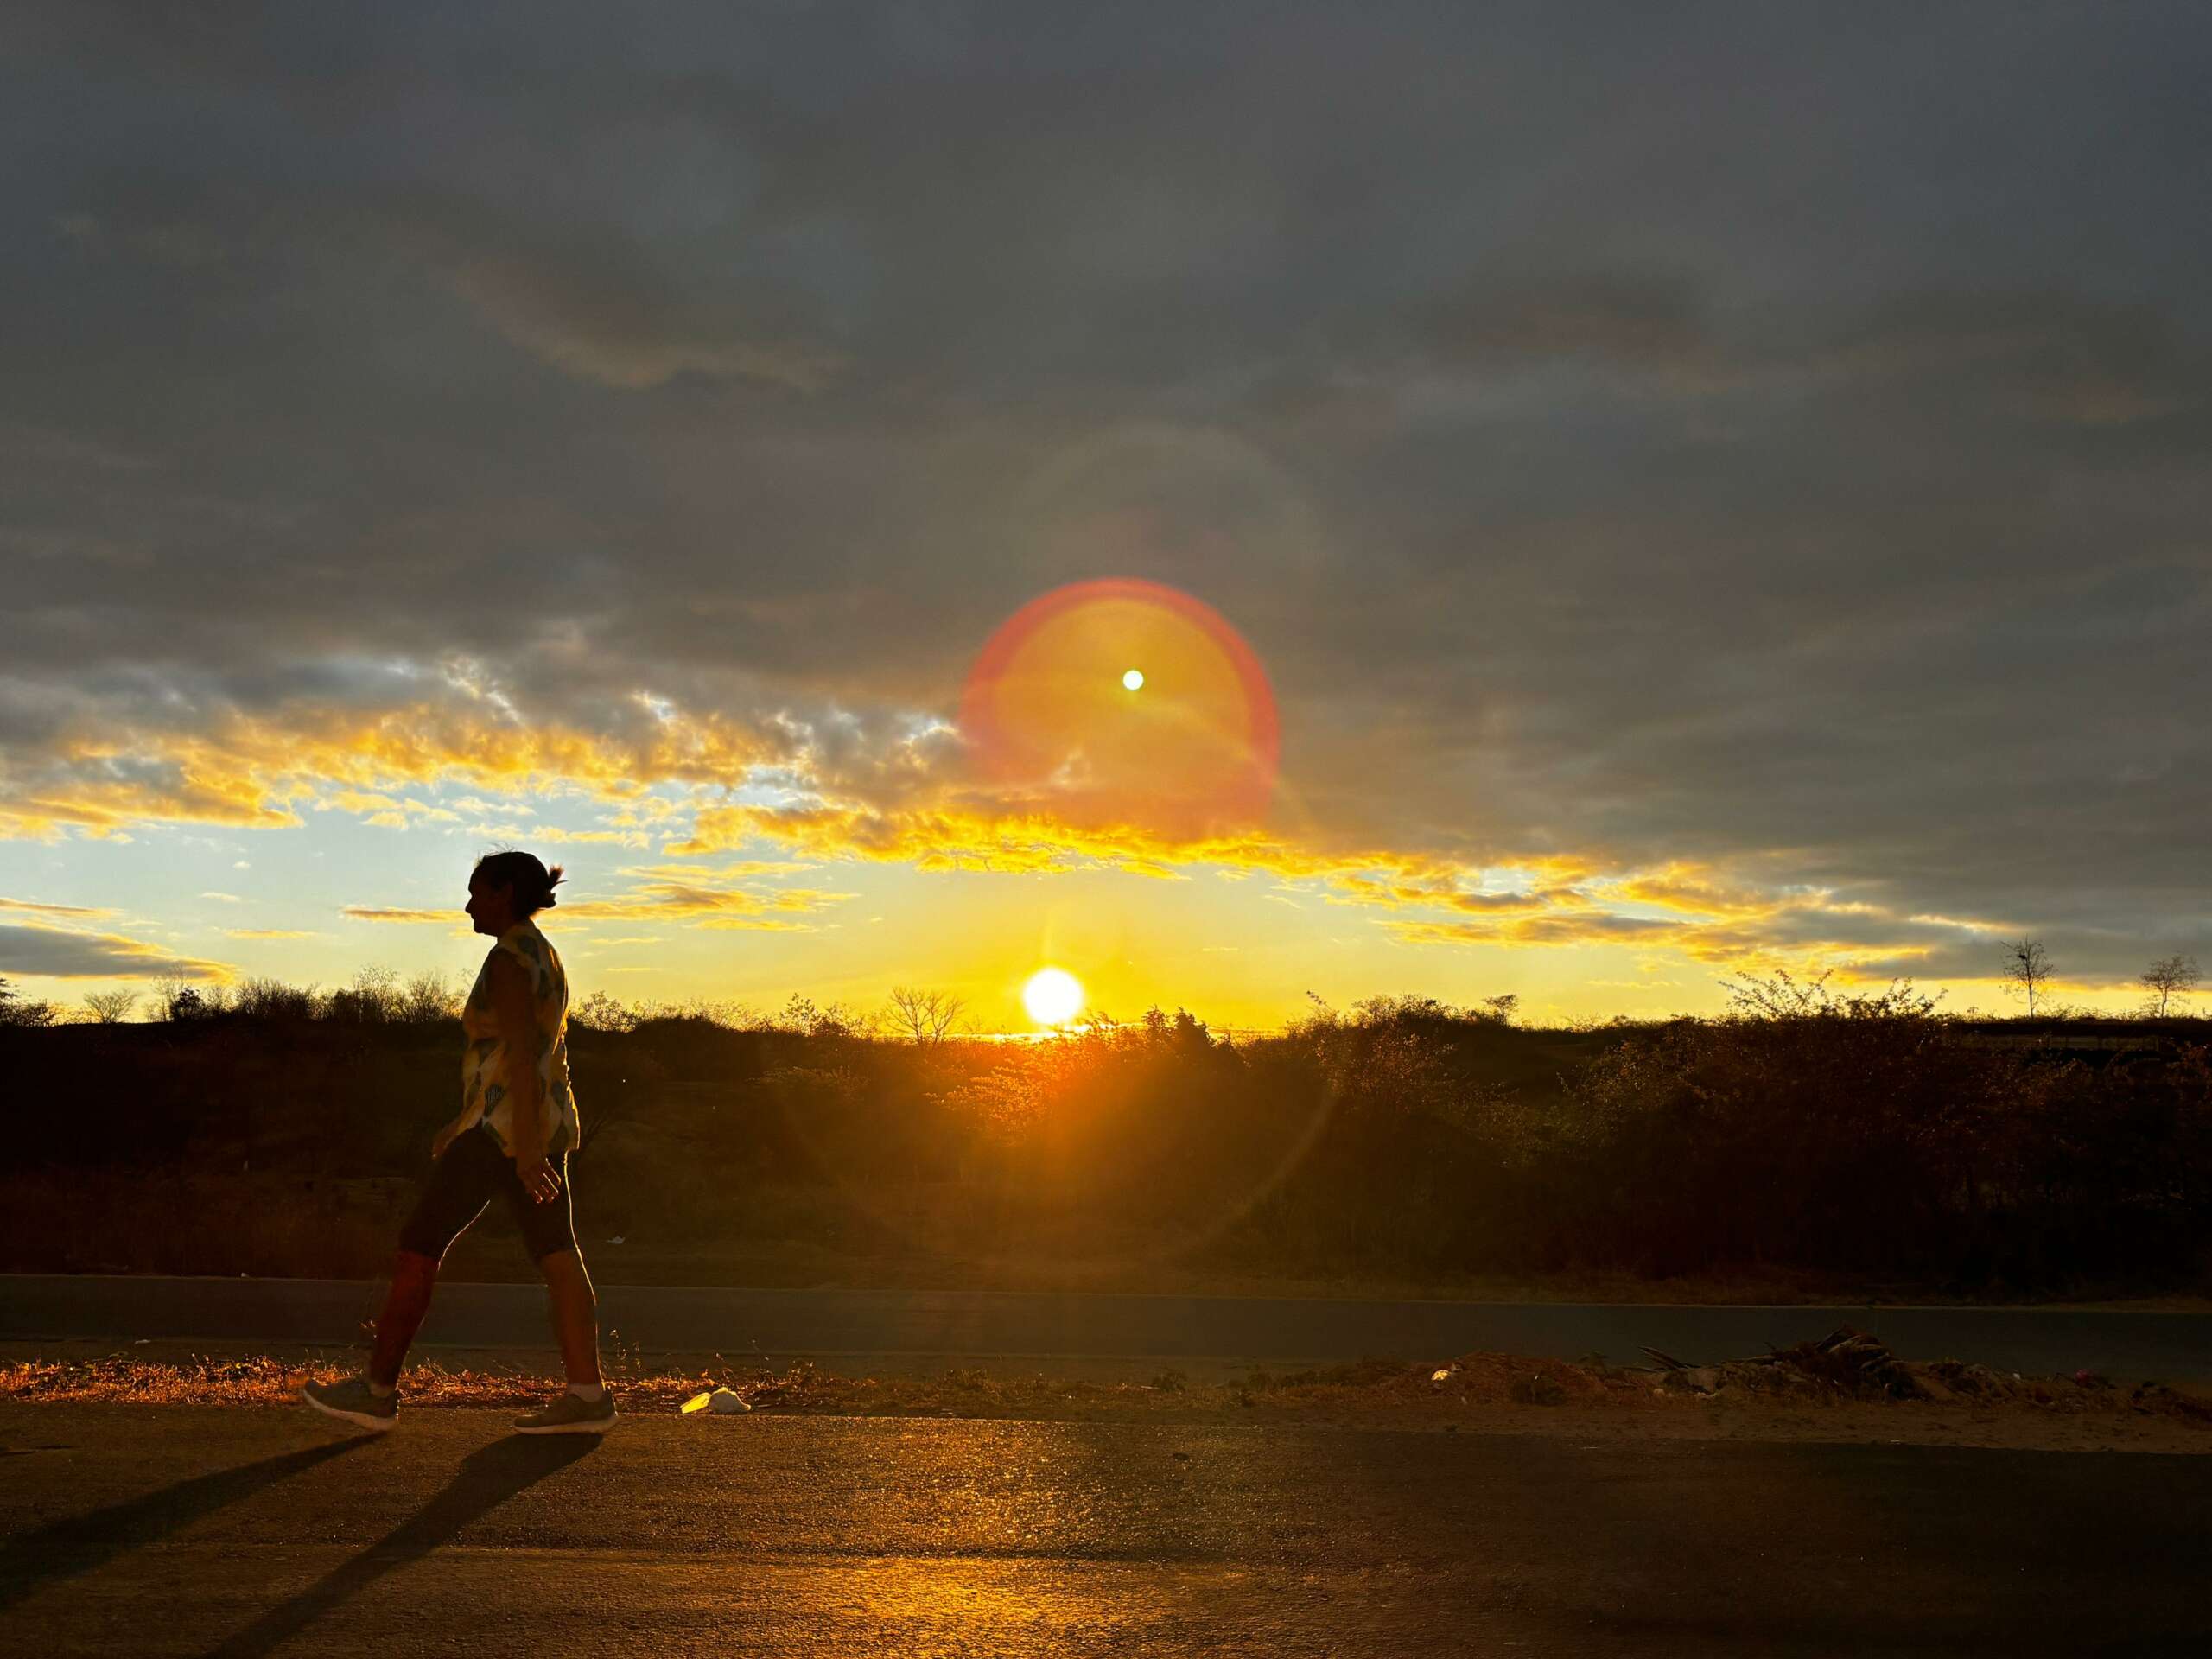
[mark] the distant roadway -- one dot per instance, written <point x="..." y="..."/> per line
<point x="1198" y="1333"/>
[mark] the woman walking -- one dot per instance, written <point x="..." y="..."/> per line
<point x="517" y="1125"/>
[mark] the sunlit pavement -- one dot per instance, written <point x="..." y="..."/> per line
<point x="175" y="1530"/>
<point x="1117" y="1334"/>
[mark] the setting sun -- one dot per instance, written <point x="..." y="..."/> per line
<point x="1052" y="997"/>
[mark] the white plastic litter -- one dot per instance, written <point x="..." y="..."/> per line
<point x="726" y="1401"/>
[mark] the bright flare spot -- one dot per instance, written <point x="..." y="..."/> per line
<point x="1052" y="997"/>
<point x="1192" y="755"/>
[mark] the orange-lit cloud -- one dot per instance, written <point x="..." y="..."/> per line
<point x="1705" y="917"/>
<point x="28" y="907"/>
<point x="687" y="901"/>
<point x="257" y="771"/>
<point x="1598" y="927"/>
<point x="928" y="814"/>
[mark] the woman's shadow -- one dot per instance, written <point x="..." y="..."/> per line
<point x="486" y="1479"/>
<point x="66" y="1548"/>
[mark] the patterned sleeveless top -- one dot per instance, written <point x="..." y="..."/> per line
<point x="484" y="1061"/>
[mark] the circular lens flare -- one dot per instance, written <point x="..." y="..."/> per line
<point x="1195" y="755"/>
<point x="1053" y="996"/>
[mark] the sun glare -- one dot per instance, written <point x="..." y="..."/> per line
<point x="1052" y="997"/>
<point x="1189" y="747"/>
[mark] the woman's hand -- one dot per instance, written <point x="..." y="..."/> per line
<point x="536" y="1177"/>
<point x="444" y="1138"/>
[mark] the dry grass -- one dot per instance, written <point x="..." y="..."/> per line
<point x="212" y="1381"/>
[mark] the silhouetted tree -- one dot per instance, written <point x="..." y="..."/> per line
<point x="15" y="1011"/>
<point x="428" y="1000"/>
<point x="1182" y="1030"/>
<point x="2027" y="969"/>
<point x="376" y="993"/>
<point x="926" y="1016"/>
<point x="177" y="997"/>
<point x="272" y="999"/>
<point x="599" y="1012"/>
<point x="802" y="1014"/>
<point x="110" y="1007"/>
<point x="2167" y="978"/>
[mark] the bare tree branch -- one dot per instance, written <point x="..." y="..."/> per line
<point x="927" y="1016"/>
<point x="2166" y="979"/>
<point x="2027" y="971"/>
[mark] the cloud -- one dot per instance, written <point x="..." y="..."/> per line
<point x="1607" y="468"/>
<point x="56" y="953"/>
<point x="549" y="836"/>
<point x="253" y="771"/>
<point x="618" y="326"/>
<point x="1636" y="322"/>
<point x="2049" y="356"/>
<point x="691" y="901"/>
<point x="959" y="831"/>
<point x="271" y="933"/>
<point x="1595" y="928"/>
<point x="34" y="908"/>
<point x="693" y="897"/>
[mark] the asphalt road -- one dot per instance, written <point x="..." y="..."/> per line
<point x="160" y="1530"/>
<point x="782" y="1324"/>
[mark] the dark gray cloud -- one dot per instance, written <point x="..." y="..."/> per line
<point x="58" y="954"/>
<point x="1715" y="435"/>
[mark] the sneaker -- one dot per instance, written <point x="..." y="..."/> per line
<point x="570" y="1414"/>
<point x="355" y="1403"/>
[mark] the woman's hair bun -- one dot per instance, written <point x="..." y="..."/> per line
<point x="532" y="881"/>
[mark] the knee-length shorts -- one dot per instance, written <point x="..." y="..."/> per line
<point x="473" y="1171"/>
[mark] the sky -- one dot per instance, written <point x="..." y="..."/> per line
<point x="1706" y="490"/>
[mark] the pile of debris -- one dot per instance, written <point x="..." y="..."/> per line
<point x="1845" y="1362"/>
<point x="1849" y="1363"/>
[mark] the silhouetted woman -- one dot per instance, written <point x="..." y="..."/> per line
<point x="516" y="1126"/>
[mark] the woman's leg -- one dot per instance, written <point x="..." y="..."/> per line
<point x="413" y="1278"/>
<point x="459" y="1188"/>
<point x="549" y="1231"/>
<point x="575" y="1316"/>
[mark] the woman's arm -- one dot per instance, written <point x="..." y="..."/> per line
<point x="446" y="1136"/>
<point x="516" y="1012"/>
